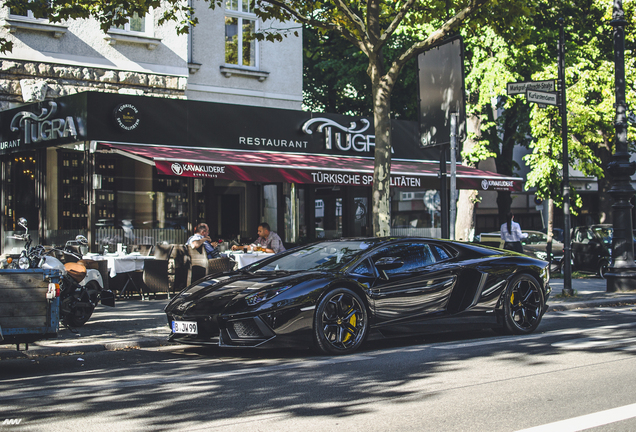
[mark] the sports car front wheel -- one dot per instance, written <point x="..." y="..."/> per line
<point x="340" y="322"/>
<point x="523" y="305"/>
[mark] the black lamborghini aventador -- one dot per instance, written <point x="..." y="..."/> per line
<point x="333" y="294"/>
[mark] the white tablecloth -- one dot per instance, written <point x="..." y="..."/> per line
<point x="121" y="263"/>
<point x="244" y="259"/>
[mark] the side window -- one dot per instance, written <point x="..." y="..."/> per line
<point x="442" y="254"/>
<point x="415" y="256"/>
<point x="364" y="269"/>
<point x="240" y="27"/>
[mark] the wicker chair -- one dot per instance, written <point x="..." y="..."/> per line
<point x="198" y="263"/>
<point x="202" y="266"/>
<point x="180" y="259"/>
<point x="220" y="265"/>
<point x="155" y="274"/>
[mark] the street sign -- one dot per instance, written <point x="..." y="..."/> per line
<point x="540" y="97"/>
<point x="522" y="87"/>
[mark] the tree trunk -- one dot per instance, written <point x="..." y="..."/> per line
<point x="382" y="169"/>
<point x="465" y="224"/>
<point x="381" y="88"/>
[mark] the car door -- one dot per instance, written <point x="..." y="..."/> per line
<point x="584" y="249"/>
<point x="416" y="288"/>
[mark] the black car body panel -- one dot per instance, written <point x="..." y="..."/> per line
<point x="450" y="286"/>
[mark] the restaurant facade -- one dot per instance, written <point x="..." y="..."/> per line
<point x="141" y="170"/>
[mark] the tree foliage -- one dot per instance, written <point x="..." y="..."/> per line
<point x="372" y="27"/>
<point x="335" y="78"/>
<point x="590" y="104"/>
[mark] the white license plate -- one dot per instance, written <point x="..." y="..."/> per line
<point x="187" y="327"/>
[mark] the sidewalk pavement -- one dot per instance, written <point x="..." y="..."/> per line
<point x="134" y="323"/>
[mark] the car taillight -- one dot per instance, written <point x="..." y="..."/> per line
<point x="57" y="290"/>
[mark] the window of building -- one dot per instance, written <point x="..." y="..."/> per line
<point x="26" y="14"/>
<point x="240" y="26"/>
<point x="138" y="24"/>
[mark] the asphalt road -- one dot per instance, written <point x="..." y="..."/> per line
<point x="582" y="363"/>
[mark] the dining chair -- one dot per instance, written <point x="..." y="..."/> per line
<point x="220" y="265"/>
<point x="180" y="258"/>
<point x="156" y="271"/>
<point x="198" y="263"/>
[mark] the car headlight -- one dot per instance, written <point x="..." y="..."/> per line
<point x="23" y="263"/>
<point x="266" y="294"/>
<point x="541" y="255"/>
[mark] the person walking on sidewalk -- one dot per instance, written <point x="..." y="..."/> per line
<point x="511" y="234"/>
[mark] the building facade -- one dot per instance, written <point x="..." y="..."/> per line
<point x="216" y="61"/>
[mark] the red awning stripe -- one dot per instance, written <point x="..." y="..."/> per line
<point x="305" y="168"/>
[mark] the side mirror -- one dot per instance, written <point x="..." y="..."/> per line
<point x="81" y="240"/>
<point x="22" y="222"/>
<point x="388" y="263"/>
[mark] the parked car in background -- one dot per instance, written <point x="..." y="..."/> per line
<point x="557" y="233"/>
<point x="536" y="245"/>
<point x="592" y="248"/>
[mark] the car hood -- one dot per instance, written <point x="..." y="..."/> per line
<point x="214" y="295"/>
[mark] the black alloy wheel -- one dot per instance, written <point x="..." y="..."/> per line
<point x="341" y="322"/>
<point x="524" y="305"/>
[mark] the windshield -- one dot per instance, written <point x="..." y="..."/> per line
<point x="605" y="233"/>
<point x="325" y="256"/>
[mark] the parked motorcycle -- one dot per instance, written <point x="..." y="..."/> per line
<point x="81" y="288"/>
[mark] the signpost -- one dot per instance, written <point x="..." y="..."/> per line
<point x="541" y="97"/>
<point x="523" y="87"/>
<point x="543" y="93"/>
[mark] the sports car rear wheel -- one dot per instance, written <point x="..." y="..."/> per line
<point x="523" y="305"/>
<point x="340" y="322"/>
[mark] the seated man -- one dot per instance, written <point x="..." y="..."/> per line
<point x="202" y="237"/>
<point x="268" y="240"/>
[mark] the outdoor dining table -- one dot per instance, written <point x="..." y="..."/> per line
<point x="121" y="263"/>
<point x="243" y="259"/>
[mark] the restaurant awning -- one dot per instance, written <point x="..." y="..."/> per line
<point x="269" y="167"/>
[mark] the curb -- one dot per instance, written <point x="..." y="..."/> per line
<point x="564" y="306"/>
<point x="36" y="350"/>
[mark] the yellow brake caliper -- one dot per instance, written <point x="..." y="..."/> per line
<point x="512" y="298"/>
<point x="352" y="321"/>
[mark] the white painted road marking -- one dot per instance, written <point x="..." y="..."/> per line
<point x="588" y="421"/>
